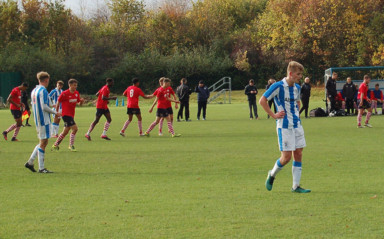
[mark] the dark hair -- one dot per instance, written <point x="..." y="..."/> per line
<point x="184" y="80"/>
<point x="135" y="80"/>
<point x="25" y="84"/>
<point x="251" y="81"/>
<point x="377" y="85"/>
<point x="60" y="82"/>
<point x="109" y="80"/>
<point x="367" y="77"/>
<point x="201" y="82"/>
<point x="72" y="81"/>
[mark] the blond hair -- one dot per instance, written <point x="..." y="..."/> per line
<point x="161" y="79"/>
<point x="42" y="76"/>
<point x="294" y="66"/>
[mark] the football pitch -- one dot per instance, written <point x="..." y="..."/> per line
<point x="209" y="183"/>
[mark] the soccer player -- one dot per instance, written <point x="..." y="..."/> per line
<point x="286" y="94"/>
<point x="169" y="91"/>
<point x="162" y="108"/>
<point x="68" y="101"/>
<point x="24" y="100"/>
<point x="102" y="109"/>
<point x="16" y="107"/>
<point x="42" y="113"/>
<point x="377" y="96"/>
<point x="364" y="103"/>
<point x="132" y="93"/>
<point x="54" y="95"/>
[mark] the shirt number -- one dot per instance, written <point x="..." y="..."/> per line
<point x="131" y="92"/>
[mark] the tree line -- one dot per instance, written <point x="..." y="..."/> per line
<point x="200" y="40"/>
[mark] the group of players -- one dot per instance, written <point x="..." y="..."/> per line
<point x="61" y="104"/>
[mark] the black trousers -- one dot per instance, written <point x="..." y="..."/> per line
<point x="183" y="104"/>
<point x="349" y="105"/>
<point x="305" y="102"/>
<point x="201" y="105"/>
<point x="270" y="103"/>
<point x="333" y="103"/>
<point x="252" y="104"/>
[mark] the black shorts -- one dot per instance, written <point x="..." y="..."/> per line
<point x="162" y="113"/>
<point x="16" y="114"/>
<point x="100" y="112"/>
<point x="366" y="104"/>
<point x="68" y="121"/>
<point x="170" y="110"/>
<point x="133" y="111"/>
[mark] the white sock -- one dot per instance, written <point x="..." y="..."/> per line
<point x="33" y="155"/>
<point x="40" y="154"/>
<point x="277" y="168"/>
<point x="296" y="174"/>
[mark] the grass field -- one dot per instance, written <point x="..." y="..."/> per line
<point x="207" y="184"/>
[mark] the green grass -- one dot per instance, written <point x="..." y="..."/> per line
<point x="207" y="184"/>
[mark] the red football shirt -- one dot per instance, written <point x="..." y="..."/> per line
<point x="15" y="97"/>
<point x="363" y="89"/>
<point x="162" y="101"/>
<point x="169" y="92"/>
<point x="68" y="102"/>
<point x="103" y="104"/>
<point x="132" y="93"/>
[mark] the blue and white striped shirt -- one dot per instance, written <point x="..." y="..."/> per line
<point x="54" y="95"/>
<point x="41" y="104"/>
<point x="285" y="98"/>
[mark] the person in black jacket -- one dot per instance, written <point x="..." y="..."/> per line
<point x="183" y="93"/>
<point x="331" y="90"/>
<point x="24" y="100"/>
<point x="304" y="95"/>
<point x="251" y="92"/>
<point x="202" y="99"/>
<point x="270" y="102"/>
<point x="349" y="91"/>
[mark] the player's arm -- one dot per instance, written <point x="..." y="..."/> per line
<point x="176" y="101"/>
<point x="148" y="96"/>
<point x="108" y="98"/>
<point x="264" y="103"/>
<point x="173" y="100"/>
<point x="361" y="99"/>
<point x="9" y="99"/>
<point x="153" y="105"/>
<point x="46" y="105"/>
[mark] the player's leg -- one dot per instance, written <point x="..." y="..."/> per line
<point x="170" y="127"/>
<point x="360" y="114"/>
<point x="374" y="105"/>
<point x="139" y="123"/>
<point x="55" y="126"/>
<point x="27" y="120"/>
<point x="107" y="115"/>
<point x="55" y="146"/>
<point x="154" y="123"/>
<point x="19" y="123"/>
<point x="41" y="156"/>
<point x="296" y="172"/>
<point x="368" y="117"/>
<point x="93" y="124"/>
<point x="161" y="122"/>
<point x="72" y="137"/>
<point x="126" y="124"/>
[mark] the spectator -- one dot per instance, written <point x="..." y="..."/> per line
<point x="340" y="102"/>
<point x="270" y="102"/>
<point x="202" y="99"/>
<point x="183" y="93"/>
<point x="377" y="96"/>
<point x="349" y="92"/>
<point x="251" y="92"/>
<point x="331" y="90"/>
<point x="304" y="95"/>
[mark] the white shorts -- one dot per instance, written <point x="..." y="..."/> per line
<point x="291" y="139"/>
<point x="44" y="132"/>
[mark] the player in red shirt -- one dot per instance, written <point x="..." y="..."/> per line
<point x="132" y="93"/>
<point x="68" y="99"/>
<point x="340" y="101"/>
<point x="162" y="105"/>
<point x="102" y="109"/>
<point x="364" y="103"/>
<point x="170" y="93"/>
<point x="17" y="108"/>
